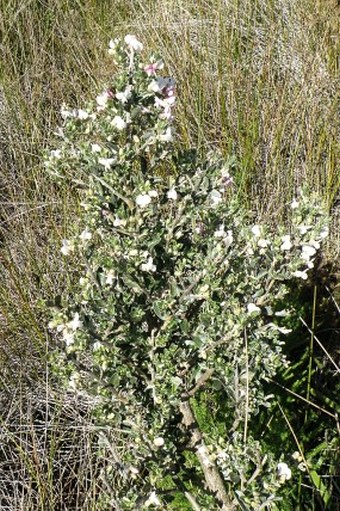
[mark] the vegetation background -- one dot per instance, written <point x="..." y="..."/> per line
<point x="258" y="79"/>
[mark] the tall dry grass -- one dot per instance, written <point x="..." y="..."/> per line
<point x="259" y="79"/>
<point x="48" y="452"/>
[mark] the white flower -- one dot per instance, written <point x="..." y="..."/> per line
<point x="123" y="96"/>
<point x="307" y="252"/>
<point x="149" y="266"/>
<point x="172" y="194"/>
<point x="118" y="222"/>
<point x="215" y="197"/>
<point x="262" y="243"/>
<point x="304" y="229"/>
<point x="107" y="162"/>
<point x="82" y="114"/>
<point x="294" y="204"/>
<point x="166" y="136"/>
<point x="110" y="276"/>
<point x="65" y="113"/>
<point x="302" y="467"/>
<point x="75" y="323"/>
<point x="284" y="472"/>
<point x="300" y="274"/>
<point x="68" y="337"/>
<point x="85" y="235"/>
<point x="55" y="324"/>
<point x="55" y="153"/>
<point x="256" y="230"/>
<point x="143" y="200"/>
<point x="166" y="114"/>
<point x="95" y="148"/>
<point x="118" y="122"/>
<point x="153" y="193"/>
<point x="96" y="346"/>
<point x="282" y="313"/>
<point x="159" y="441"/>
<point x="297" y="456"/>
<point x="283" y="330"/>
<point x="324" y="232"/>
<point x="314" y="244"/>
<point x="134" y="470"/>
<point x="228" y="239"/>
<point x="59" y="132"/>
<point x="133" y="43"/>
<point x="165" y="103"/>
<point x="286" y="243"/>
<point x="67" y="248"/>
<point x="153" y="500"/>
<point x="73" y="382"/>
<point x="112" y="46"/>
<point x="220" y="233"/>
<point x="102" y="99"/>
<point x="251" y="307"/>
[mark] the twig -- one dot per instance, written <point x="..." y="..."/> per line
<point x="304" y="399"/>
<point x="189" y="496"/>
<point x="247" y="390"/>
<point x="321" y="345"/>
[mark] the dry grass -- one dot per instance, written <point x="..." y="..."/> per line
<point x="257" y="78"/>
<point x="48" y="454"/>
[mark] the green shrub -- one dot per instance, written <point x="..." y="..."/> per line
<point x="176" y="322"/>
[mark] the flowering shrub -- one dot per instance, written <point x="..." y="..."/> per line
<point x="178" y="309"/>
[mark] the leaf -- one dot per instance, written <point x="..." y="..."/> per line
<point x="174" y="289"/>
<point x="132" y="284"/>
<point x="155" y="241"/>
<point x="159" y="308"/>
<point x="324" y="493"/>
<point x="125" y="199"/>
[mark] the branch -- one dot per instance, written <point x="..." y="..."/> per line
<point x="212" y="476"/>
<point x="201" y="381"/>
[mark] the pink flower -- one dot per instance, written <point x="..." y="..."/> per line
<point x="103" y="98"/>
<point x="166" y="103"/>
<point x="151" y="69"/>
<point x="169" y="91"/>
<point x="227" y="180"/>
<point x="165" y="86"/>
